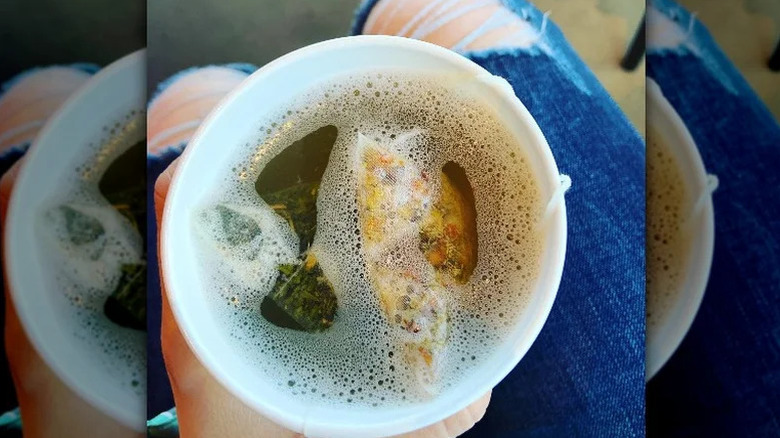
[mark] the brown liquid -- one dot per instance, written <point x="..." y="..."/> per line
<point x="668" y="241"/>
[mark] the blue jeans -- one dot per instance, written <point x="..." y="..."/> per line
<point x="585" y="373"/>
<point x="724" y="379"/>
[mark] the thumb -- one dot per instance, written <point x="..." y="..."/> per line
<point x="6" y="187"/>
<point x="161" y="187"/>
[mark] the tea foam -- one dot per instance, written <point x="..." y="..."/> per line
<point x="358" y="360"/>
<point x="85" y="275"/>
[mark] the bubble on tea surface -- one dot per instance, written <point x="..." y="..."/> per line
<point x="84" y="258"/>
<point x="668" y="239"/>
<point x="359" y="360"/>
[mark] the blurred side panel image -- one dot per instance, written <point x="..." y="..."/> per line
<point x="713" y="235"/>
<point x="73" y="203"/>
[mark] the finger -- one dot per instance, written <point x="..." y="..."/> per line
<point x="204" y="407"/>
<point x="19" y="351"/>
<point x="161" y="187"/>
<point x="174" y="348"/>
<point x="40" y="392"/>
<point x="6" y="187"/>
<point x="455" y="424"/>
<point x="176" y="354"/>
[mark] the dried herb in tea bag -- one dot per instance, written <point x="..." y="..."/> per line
<point x="304" y="294"/>
<point x="298" y="206"/>
<point x="126" y="305"/>
<point x="448" y="237"/>
<point x="125" y="188"/>
<point x="302" y="297"/>
<point x="81" y="228"/>
<point x="238" y="228"/>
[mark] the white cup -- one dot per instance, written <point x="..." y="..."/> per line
<point x="663" y="340"/>
<point x="230" y="124"/>
<point x="103" y="100"/>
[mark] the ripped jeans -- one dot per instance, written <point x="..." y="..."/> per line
<point x="723" y="380"/>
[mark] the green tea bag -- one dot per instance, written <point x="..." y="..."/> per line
<point x="298" y="206"/>
<point x="304" y="294"/>
<point x="126" y="305"/>
<point x="82" y="228"/>
<point x="238" y="228"/>
<point x="302" y="297"/>
<point x="125" y="188"/>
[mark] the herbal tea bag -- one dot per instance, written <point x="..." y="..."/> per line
<point x="414" y="302"/>
<point x="126" y="305"/>
<point x="302" y="291"/>
<point x="448" y="237"/>
<point x="393" y="198"/>
<point x="298" y="206"/>
<point x="393" y="194"/>
<point x="84" y="231"/>
<point x="236" y="233"/>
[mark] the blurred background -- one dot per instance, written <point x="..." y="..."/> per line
<point x="39" y="33"/>
<point x="747" y="31"/>
<point x="258" y="31"/>
<point x="202" y="32"/>
<point x="35" y="33"/>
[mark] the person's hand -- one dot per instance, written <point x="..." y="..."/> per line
<point x="206" y="409"/>
<point x="48" y="407"/>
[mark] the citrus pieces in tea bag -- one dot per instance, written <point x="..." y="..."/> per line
<point x="415" y="304"/>
<point x="393" y="194"/>
<point x="395" y="200"/>
<point x="448" y="237"/>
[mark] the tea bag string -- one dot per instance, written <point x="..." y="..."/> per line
<point x="711" y="184"/>
<point x="557" y="197"/>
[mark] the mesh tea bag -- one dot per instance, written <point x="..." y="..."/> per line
<point x="96" y="241"/>
<point x="393" y="194"/>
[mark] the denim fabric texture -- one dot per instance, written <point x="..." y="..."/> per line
<point x="724" y="379"/>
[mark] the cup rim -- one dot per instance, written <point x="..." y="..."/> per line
<point x="46" y="340"/>
<point x="332" y="427"/>
<point x="679" y="317"/>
